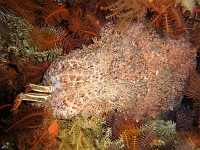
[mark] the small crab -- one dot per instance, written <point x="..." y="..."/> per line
<point x="33" y="92"/>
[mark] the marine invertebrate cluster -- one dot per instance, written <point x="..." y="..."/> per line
<point x="168" y="16"/>
<point x="15" y="74"/>
<point x="126" y="11"/>
<point x="31" y="43"/>
<point x="164" y="14"/>
<point x="133" y="74"/>
<point x="135" y="70"/>
<point x="130" y="134"/>
<point x="162" y="128"/>
<point x="169" y="19"/>
<point x="26" y="51"/>
<point x="84" y="133"/>
<point x="82" y="17"/>
<point x="31" y="128"/>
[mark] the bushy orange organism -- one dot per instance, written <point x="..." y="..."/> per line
<point x="48" y="39"/>
<point x="124" y="12"/>
<point x="130" y="134"/>
<point x="166" y="16"/>
<point x="80" y="27"/>
<point x="169" y="19"/>
<point x="56" y="15"/>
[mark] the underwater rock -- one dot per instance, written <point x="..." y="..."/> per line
<point x="137" y="70"/>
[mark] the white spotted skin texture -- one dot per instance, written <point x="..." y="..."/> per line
<point x="137" y="70"/>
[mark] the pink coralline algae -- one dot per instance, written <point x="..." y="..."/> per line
<point x="137" y="70"/>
